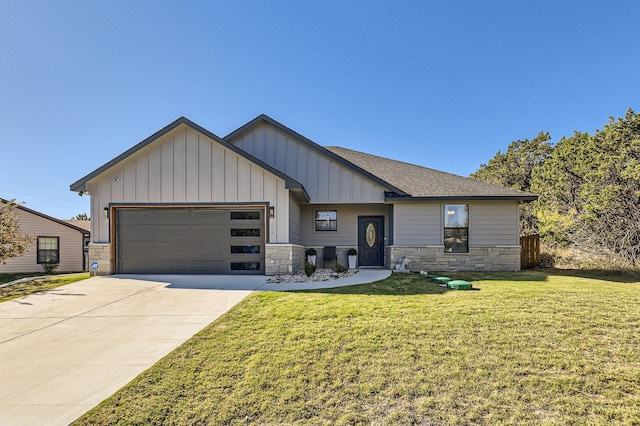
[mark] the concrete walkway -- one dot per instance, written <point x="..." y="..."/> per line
<point x="64" y="350"/>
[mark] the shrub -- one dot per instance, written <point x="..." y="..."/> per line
<point x="309" y="269"/>
<point x="49" y="267"/>
<point x="547" y="260"/>
<point x="311" y="252"/>
<point x="339" y="268"/>
<point x="352" y="252"/>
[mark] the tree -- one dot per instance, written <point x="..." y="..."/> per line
<point x="13" y="242"/>
<point x="81" y="216"/>
<point x="590" y="192"/>
<point x="559" y="183"/>
<point x="515" y="169"/>
<point x="611" y="191"/>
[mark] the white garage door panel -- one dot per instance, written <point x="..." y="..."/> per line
<point x="190" y="240"/>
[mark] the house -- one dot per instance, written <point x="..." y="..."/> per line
<point x="54" y="239"/>
<point x="187" y="201"/>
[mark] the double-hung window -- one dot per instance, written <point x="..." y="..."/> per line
<point x="456" y="228"/>
<point x="326" y="220"/>
<point x="48" y="249"/>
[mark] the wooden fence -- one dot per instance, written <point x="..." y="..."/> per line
<point x="529" y="251"/>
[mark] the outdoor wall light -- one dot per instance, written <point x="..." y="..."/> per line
<point x="272" y="212"/>
<point x="105" y="213"/>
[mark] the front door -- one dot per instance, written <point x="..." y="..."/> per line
<point x="371" y="240"/>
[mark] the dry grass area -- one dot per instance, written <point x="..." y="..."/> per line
<point x="523" y="348"/>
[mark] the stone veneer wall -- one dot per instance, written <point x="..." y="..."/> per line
<point x="283" y="258"/>
<point x="433" y="258"/>
<point x="100" y="253"/>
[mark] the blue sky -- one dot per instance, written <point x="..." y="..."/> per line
<point x="441" y="84"/>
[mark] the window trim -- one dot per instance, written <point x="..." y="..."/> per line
<point x="335" y="221"/>
<point x="445" y="208"/>
<point x="38" y="249"/>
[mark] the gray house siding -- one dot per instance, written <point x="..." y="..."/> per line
<point x="493" y="237"/>
<point x="490" y="223"/>
<point x="417" y="223"/>
<point x="495" y="223"/>
<point x="324" y="178"/>
<point x="295" y="222"/>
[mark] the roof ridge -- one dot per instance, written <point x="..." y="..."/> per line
<point x="43" y="215"/>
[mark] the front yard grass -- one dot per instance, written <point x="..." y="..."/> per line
<point x="524" y="348"/>
<point x="23" y="289"/>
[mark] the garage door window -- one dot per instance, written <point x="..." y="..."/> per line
<point x="245" y="215"/>
<point x="245" y="232"/>
<point x="245" y="249"/>
<point x="245" y="266"/>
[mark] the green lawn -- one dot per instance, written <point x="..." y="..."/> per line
<point x="526" y="348"/>
<point x="34" y="286"/>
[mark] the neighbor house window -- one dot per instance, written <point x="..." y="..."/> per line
<point x="326" y="220"/>
<point x="48" y="249"/>
<point x="456" y="228"/>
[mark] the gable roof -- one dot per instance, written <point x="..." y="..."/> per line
<point x="268" y="120"/>
<point x="424" y="183"/>
<point x="80" y="223"/>
<point x="290" y="183"/>
<point x="44" y="216"/>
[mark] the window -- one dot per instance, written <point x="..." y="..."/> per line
<point x="48" y="249"/>
<point x="245" y="215"/>
<point x="241" y="232"/>
<point x="456" y="228"/>
<point x="326" y="220"/>
<point x="245" y="266"/>
<point x="245" y="249"/>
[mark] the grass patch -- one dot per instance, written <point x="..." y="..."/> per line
<point x="36" y="285"/>
<point x="528" y="348"/>
<point x="7" y="278"/>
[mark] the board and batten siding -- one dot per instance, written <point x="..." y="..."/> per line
<point x="347" y="223"/>
<point x="325" y="179"/>
<point x="70" y="245"/>
<point x="182" y="167"/>
<point x="492" y="223"/>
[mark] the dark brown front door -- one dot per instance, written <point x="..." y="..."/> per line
<point x="371" y="240"/>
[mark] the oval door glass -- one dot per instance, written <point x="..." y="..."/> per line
<point x="370" y="234"/>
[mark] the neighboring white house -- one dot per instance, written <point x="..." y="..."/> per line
<point x="187" y="201"/>
<point x="62" y="242"/>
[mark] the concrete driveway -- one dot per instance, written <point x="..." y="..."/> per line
<point x="65" y="350"/>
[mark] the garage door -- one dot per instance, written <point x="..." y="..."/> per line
<point x="190" y="240"/>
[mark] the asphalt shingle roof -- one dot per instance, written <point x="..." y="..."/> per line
<point x="423" y="182"/>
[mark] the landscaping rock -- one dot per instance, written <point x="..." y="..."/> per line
<point x="318" y="275"/>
